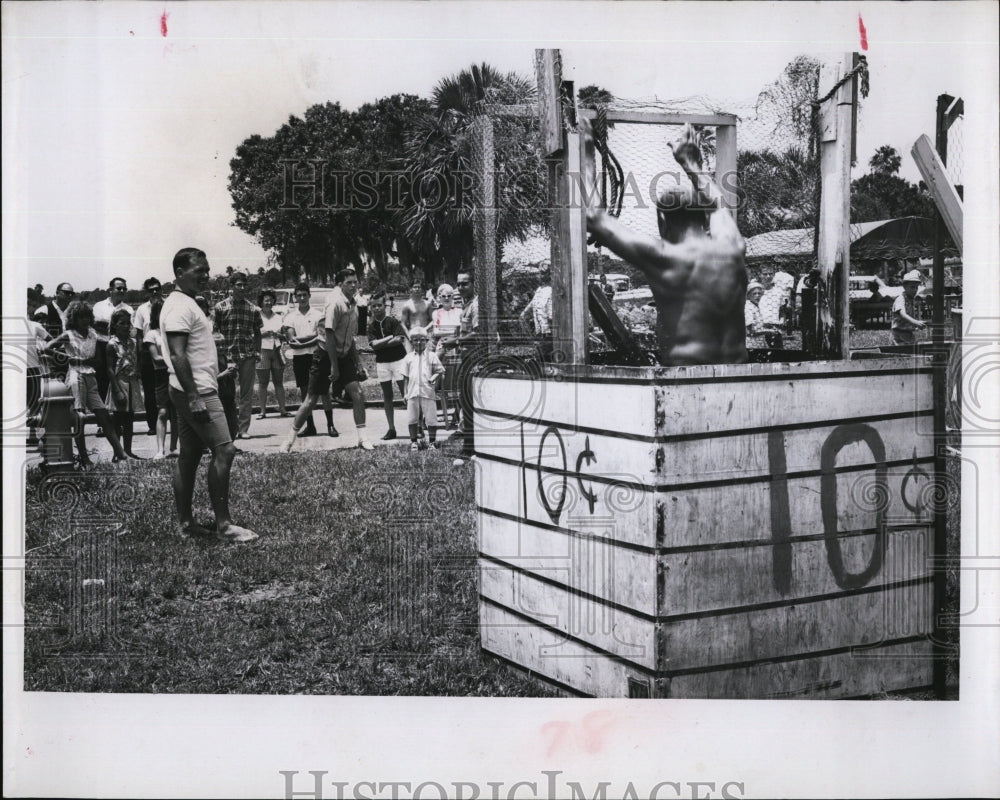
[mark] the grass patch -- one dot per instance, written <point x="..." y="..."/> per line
<point x="350" y="590"/>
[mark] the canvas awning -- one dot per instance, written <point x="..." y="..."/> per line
<point x="900" y="238"/>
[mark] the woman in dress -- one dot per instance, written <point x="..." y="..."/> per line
<point x="271" y="366"/>
<point x="79" y="344"/>
<point x="124" y="386"/>
<point x="446" y="321"/>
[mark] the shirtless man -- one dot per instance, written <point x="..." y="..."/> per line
<point x="416" y="312"/>
<point x="697" y="277"/>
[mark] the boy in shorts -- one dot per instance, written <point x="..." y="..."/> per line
<point x="423" y="371"/>
<point x="386" y="337"/>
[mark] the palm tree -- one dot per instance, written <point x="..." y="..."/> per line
<point x="441" y="155"/>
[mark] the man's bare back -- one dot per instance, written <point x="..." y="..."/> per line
<point x="698" y="280"/>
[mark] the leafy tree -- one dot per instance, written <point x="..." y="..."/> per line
<point x="777" y="191"/>
<point x="441" y="154"/>
<point x="882" y="194"/>
<point x="886" y="161"/>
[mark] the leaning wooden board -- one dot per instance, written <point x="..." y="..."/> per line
<point x="759" y="530"/>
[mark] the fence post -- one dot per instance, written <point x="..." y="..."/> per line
<point x="834" y="247"/>
<point x="485" y="226"/>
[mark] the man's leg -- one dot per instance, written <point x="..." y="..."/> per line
<point x="216" y="436"/>
<point x="390" y="415"/>
<point x="227" y="396"/>
<point x="353" y="390"/>
<point x="246" y="373"/>
<point x="187" y="466"/>
<point x="263" y="376"/>
<point x="148" y="375"/>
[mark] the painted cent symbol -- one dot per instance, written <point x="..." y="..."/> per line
<point x="917" y="508"/>
<point x="586" y="455"/>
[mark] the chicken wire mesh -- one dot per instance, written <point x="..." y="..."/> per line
<point x="778" y="182"/>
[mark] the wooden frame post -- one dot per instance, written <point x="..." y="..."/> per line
<point x="834" y="248"/>
<point x="485" y="227"/>
<point x="725" y="164"/>
<point x="564" y="149"/>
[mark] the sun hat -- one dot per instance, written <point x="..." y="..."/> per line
<point x="913" y="276"/>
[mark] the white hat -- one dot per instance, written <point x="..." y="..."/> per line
<point x="418" y="333"/>
<point x="754" y="285"/>
<point x="41" y="311"/>
<point x="913" y="276"/>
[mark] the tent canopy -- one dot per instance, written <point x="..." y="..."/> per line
<point x="904" y="237"/>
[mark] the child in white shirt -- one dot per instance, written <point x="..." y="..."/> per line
<point x="423" y="371"/>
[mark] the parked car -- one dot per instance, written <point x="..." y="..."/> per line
<point x="318" y="295"/>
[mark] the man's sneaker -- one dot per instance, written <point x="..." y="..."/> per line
<point x="414" y="447"/>
<point x="332" y="432"/>
<point x="364" y="444"/>
<point x="390" y="435"/>
<point x="159" y="455"/>
<point x="433" y="445"/>
<point x="234" y="534"/>
<point x="290" y="441"/>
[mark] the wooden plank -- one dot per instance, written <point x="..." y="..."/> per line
<point x="718" y="579"/>
<point x="662" y="117"/>
<point x="751" y="455"/>
<point x="554" y="655"/>
<point x="833" y="252"/>
<point x="485" y="230"/>
<point x="603" y="626"/>
<point x="634" y="117"/>
<point x="799" y="628"/>
<point x="625" y="408"/>
<point x="597" y="567"/>
<point x="746" y="456"/>
<point x="692" y="518"/>
<point x="706" y="408"/>
<point x="725" y="164"/>
<point x="712" y="407"/>
<point x="548" y="74"/>
<point x="571" y="339"/>
<point x="942" y="191"/>
<point x="509" y="489"/>
<point x="722" y="373"/>
<point x="889" y="668"/>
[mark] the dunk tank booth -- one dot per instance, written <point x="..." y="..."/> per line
<point x="757" y="530"/>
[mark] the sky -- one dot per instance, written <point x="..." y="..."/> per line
<point x="120" y="119"/>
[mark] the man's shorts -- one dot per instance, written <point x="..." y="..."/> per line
<point x="903" y="336"/>
<point x="417" y="404"/>
<point x="86" y="395"/>
<point x="389" y="371"/>
<point x="301" y="365"/>
<point x="319" y="374"/>
<point x="194" y="435"/>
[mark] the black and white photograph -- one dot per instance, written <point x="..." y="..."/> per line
<point x="396" y="394"/>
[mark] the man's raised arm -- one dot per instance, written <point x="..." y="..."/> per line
<point x="658" y="259"/>
<point x="722" y="225"/>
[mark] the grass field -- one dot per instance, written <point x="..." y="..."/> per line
<point x="348" y="590"/>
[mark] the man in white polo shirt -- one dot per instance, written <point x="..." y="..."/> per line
<point x="193" y="364"/>
<point x="103" y="309"/>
